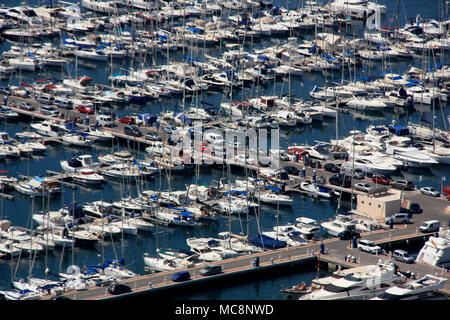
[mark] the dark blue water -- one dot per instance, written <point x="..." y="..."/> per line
<point x="132" y="248"/>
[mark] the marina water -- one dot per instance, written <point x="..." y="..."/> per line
<point x="132" y="248"/>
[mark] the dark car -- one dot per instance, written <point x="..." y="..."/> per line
<point x="181" y="276"/>
<point x="119" y="288"/>
<point x="60" y="297"/>
<point x="132" y="131"/>
<point x="331" y="167"/>
<point x="5" y="91"/>
<point x="341" y="180"/>
<point x="402" y="185"/>
<point x="381" y="179"/>
<point x="348" y="235"/>
<point x="292" y="170"/>
<point x="210" y="270"/>
<point x="153" y="136"/>
<point x="415" y="208"/>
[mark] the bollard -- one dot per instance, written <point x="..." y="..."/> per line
<point x="150" y="284"/>
<point x="353" y="259"/>
<point x="271" y="260"/>
<point x="312" y="252"/>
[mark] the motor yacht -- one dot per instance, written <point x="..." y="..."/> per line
<point x="424" y="288"/>
<point x="363" y="283"/>
<point x="87" y="177"/>
<point x="339" y="224"/>
<point x="436" y="251"/>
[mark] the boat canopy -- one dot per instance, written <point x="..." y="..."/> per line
<point x="273" y="188"/>
<point x="399" y="130"/>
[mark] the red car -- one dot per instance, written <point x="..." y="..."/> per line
<point x="380" y="179"/>
<point x="127" y="120"/>
<point x="202" y="147"/>
<point x="86" y="109"/>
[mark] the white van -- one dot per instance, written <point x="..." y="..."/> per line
<point x="214" y="138"/>
<point x="104" y="120"/>
<point x="430" y="226"/>
<point x="45" y="99"/>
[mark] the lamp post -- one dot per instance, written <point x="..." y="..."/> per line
<point x="442" y="185"/>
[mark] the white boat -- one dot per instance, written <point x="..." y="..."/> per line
<point x="75" y="139"/>
<point x="316" y="190"/>
<point x="81" y="162"/>
<point x="127" y="172"/>
<point x="236" y="205"/>
<point x="125" y="226"/>
<point x="410" y="156"/>
<point x="355" y="8"/>
<point x="424" y="288"/>
<point x="88" y="177"/>
<point x="363" y="283"/>
<point x="274" y="198"/>
<point x="116" y="157"/>
<point x="139" y="223"/>
<point x="367" y="104"/>
<point x="339" y="224"/>
<point x="103" y="228"/>
<point x="49" y="128"/>
<point x="178" y="219"/>
<point x="309" y="227"/>
<point x="201" y="247"/>
<point x="116" y="270"/>
<point x="237" y="243"/>
<point x="98" y="209"/>
<point x="38" y="187"/>
<point x="436" y="251"/>
<point x="97" y="134"/>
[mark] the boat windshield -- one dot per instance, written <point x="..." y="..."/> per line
<point x="389" y="296"/>
<point x="334" y="289"/>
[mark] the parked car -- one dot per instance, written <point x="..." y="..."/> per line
<point x="45" y="98"/>
<point x="341" y="180"/>
<point x="403" y="256"/>
<point x="128" y="120"/>
<point x="356" y="173"/>
<point x="119" y="288"/>
<point x="86" y="109"/>
<point x="363" y="186"/>
<point x="402" y="184"/>
<point x="169" y="129"/>
<point x="26" y="106"/>
<point x="331" y="167"/>
<point x="5" y="91"/>
<point x="50" y="111"/>
<point x="415" y="208"/>
<point x="210" y="270"/>
<point x="132" y="131"/>
<point x="381" y="179"/>
<point x="348" y="235"/>
<point x="397" y="218"/>
<point x="369" y="246"/>
<point x="292" y="170"/>
<point x="429" y="191"/>
<point x="153" y="136"/>
<point x="105" y="120"/>
<point x="181" y="276"/>
<point x="64" y="103"/>
<point x="430" y="226"/>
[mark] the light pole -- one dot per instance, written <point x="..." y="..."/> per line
<point x="442" y="185"/>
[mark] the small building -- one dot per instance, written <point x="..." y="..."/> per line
<point x="379" y="204"/>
